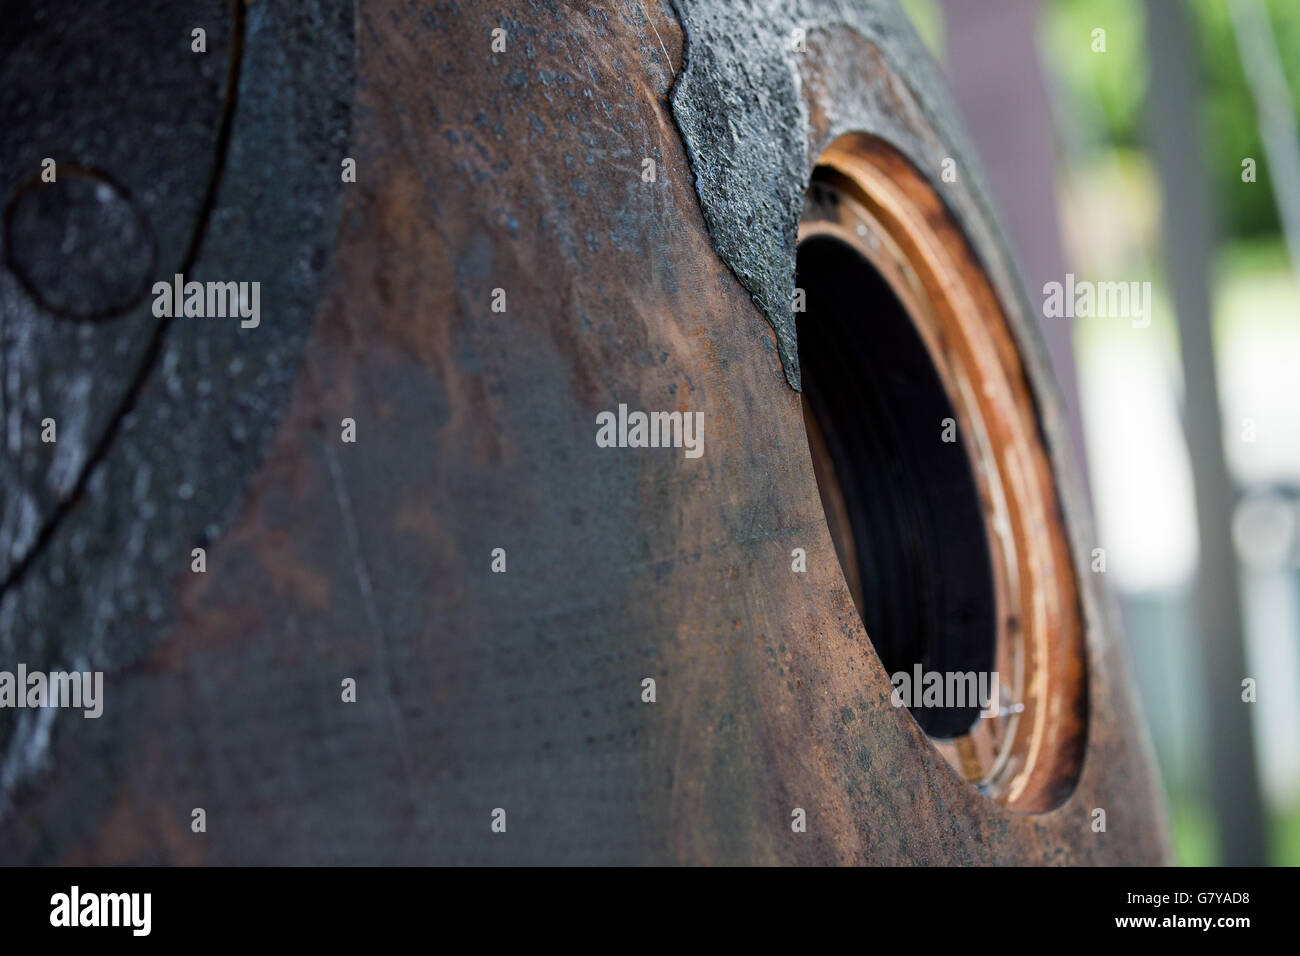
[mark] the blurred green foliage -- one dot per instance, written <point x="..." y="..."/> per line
<point x="927" y="17"/>
<point x="1286" y="838"/>
<point x="1106" y="88"/>
<point x="1109" y="89"/>
<point x="1192" y="829"/>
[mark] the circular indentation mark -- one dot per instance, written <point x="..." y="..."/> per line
<point x="78" y="245"/>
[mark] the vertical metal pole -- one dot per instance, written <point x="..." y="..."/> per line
<point x="1172" y="116"/>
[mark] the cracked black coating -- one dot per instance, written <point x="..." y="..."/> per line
<point x="742" y="110"/>
<point x="131" y="120"/>
<point x="98" y="589"/>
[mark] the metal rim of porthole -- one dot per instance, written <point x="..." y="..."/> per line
<point x="956" y="551"/>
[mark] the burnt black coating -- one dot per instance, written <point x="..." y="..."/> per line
<point x="164" y="472"/>
<point x="741" y="109"/>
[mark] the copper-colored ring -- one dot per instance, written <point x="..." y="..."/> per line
<point x="1028" y="760"/>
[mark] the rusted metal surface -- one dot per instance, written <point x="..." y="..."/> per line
<point x="521" y="170"/>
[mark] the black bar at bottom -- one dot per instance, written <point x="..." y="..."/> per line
<point x="971" y="908"/>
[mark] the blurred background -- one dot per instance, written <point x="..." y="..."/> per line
<point x="1164" y="149"/>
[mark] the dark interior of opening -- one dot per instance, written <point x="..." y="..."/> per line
<point x="901" y="504"/>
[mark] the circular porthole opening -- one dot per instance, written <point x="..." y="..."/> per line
<point x="936" y="485"/>
<point x="896" y="484"/>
